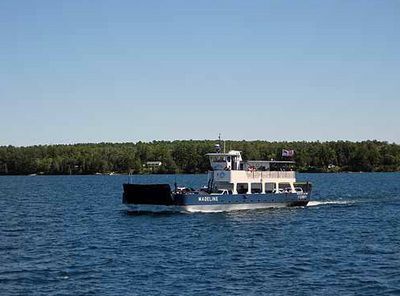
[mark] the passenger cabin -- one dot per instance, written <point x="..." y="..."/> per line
<point x="230" y="172"/>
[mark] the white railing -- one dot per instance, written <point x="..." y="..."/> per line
<point x="271" y="175"/>
<point x="248" y="176"/>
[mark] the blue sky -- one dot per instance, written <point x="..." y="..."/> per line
<point x="117" y="71"/>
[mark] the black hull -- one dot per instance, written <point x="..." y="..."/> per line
<point x="151" y="194"/>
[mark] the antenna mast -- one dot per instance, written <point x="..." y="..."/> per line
<point x="220" y="142"/>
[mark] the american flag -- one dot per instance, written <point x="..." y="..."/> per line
<point x="287" y="153"/>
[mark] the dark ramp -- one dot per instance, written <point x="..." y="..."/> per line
<point x="151" y="194"/>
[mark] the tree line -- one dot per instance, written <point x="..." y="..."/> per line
<point x="188" y="156"/>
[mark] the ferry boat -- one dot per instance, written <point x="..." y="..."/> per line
<point x="233" y="184"/>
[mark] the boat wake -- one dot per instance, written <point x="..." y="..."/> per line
<point x="314" y="203"/>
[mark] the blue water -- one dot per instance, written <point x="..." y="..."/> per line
<point x="70" y="235"/>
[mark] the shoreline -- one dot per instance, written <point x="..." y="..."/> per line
<point x="172" y="174"/>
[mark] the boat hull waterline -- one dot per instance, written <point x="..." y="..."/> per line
<point x="206" y="209"/>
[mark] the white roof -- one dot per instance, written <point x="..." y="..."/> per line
<point x="230" y="153"/>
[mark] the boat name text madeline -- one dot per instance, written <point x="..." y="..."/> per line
<point x="208" y="198"/>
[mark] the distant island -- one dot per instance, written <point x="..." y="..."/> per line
<point x="188" y="156"/>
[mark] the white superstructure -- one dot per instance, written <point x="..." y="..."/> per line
<point x="246" y="177"/>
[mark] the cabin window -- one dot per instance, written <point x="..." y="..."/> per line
<point x="256" y="188"/>
<point x="269" y="187"/>
<point x="242" y="188"/>
<point x="218" y="159"/>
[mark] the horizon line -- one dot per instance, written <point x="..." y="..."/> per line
<point x="197" y="140"/>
